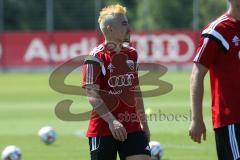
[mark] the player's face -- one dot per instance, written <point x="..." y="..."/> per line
<point x="237" y="5"/>
<point x="120" y="28"/>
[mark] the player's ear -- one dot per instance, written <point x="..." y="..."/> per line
<point x="109" y="28"/>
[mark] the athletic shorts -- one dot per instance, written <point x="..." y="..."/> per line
<point x="228" y="142"/>
<point x="106" y="147"/>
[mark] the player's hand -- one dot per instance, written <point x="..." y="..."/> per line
<point x="118" y="130"/>
<point x="197" y="131"/>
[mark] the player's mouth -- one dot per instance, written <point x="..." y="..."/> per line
<point x="127" y="37"/>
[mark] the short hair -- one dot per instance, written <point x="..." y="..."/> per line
<point x="108" y="13"/>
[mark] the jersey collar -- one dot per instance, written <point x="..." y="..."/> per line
<point x="109" y="47"/>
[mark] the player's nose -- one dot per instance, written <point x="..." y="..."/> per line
<point x="128" y="29"/>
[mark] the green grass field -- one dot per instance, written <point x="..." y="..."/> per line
<point x="27" y="103"/>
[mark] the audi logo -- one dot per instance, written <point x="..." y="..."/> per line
<point x="164" y="47"/>
<point x="121" y="80"/>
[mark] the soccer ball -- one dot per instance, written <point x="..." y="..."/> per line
<point x="156" y="150"/>
<point x="11" y="153"/>
<point x="47" y="135"/>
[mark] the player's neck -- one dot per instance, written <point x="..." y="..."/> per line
<point x="114" y="45"/>
<point x="234" y="12"/>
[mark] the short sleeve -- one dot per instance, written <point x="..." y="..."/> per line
<point x="207" y="51"/>
<point x="91" y="74"/>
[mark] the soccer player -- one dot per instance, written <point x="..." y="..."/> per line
<point x="219" y="52"/>
<point x="118" y="123"/>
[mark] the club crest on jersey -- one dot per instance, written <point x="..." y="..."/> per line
<point x="130" y="64"/>
<point x="110" y="67"/>
<point x="236" y="40"/>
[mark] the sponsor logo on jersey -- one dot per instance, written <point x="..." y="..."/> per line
<point x="121" y="80"/>
<point x="130" y="64"/>
<point x="115" y="92"/>
<point x="236" y="40"/>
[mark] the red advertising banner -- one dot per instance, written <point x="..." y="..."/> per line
<point x="17" y="48"/>
<point x="37" y="49"/>
<point x="41" y="49"/>
<point x="1" y="50"/>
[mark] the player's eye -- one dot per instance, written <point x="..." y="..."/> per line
<point x="124" y="23"/>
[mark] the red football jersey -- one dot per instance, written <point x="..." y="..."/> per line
<point x="116" y="74"/>
<point x="219" y="50"/>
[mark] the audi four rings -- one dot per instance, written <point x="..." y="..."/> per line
<point x="172" y="51"/>
<point x="121" y="80"/>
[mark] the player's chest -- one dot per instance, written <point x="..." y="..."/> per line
<point x="119" y="64"/>
<point x="121" y="72"/>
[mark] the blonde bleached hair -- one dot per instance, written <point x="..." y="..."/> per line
<point x="108" y="13"/>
